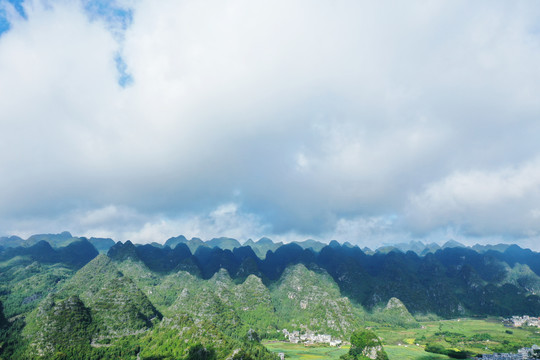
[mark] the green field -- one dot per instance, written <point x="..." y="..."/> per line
<point x="410" y="353"/>
<point x="299" y="351"/>
<point x="474" y="335"/>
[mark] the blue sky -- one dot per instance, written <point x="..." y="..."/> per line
<point x="328" y="120"/>
<point x="115" y="16"/>
<point x="4" y="22"/>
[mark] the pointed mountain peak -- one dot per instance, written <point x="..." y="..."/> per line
<point x="99" y="266"/>
<point x="452" y="244"/>
<point x="42" y="245"/>
<point x="78" y="252"/>
<point x="90" y="278"/>
<point x="297" y="269"/>
<point x="334" y="244"/>
<point x="172" y="242"/>
<point x="253" y="280"/>
<point x="222" y="276"/>
<point x="394" y="303"/>
<point x="121" y="252"/>
<point x="223" y="243"/>
<point x="265" y="240"/>
<point x="367" y="250"/>
<point x="397" y="310"/>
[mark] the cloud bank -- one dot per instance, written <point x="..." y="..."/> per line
<point x="353" y="120"/>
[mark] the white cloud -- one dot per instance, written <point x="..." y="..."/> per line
<point x="124" y="223"/>
<point x="312" y="115"/>
<point x="502" y="201"/>
<point x="369" y="231"/>
<point x="225" y="220"/>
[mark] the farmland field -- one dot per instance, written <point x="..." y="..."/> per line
<point x="299" y="351"/>
<point x="474" y="335"/>
<point x="410" y="353"/>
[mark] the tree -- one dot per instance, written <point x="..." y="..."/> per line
<point x="365" y="345"/>
<point x="242" y="355"/>
<point x="199" y="352"/>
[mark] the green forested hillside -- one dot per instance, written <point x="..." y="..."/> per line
<point x="395" y="313"/>
<point x="307" y="299"/>
<point x="24" y="283"/>
<point x="101" y="313"/>
<point x="159" y="302"/>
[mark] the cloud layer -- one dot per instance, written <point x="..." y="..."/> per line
<point x="290" y="119"/>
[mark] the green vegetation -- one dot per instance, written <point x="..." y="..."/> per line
<point x="24" y="283"/>
<point x="394" y="314"/>
<point x="410" y="353"/>
<point x="453" y="353"/>
<point x="302" y="352"/>
<point x="310" y="299"/>
<point x="466" y="335"/>
<point x="57" y="326"/>
<point x="175" y="337"/>
<point x="153" y="302"/>
<point x="365" y="345"/>
<point x="475" y="336"/>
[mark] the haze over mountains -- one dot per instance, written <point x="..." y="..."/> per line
<point x="260" y="246"/>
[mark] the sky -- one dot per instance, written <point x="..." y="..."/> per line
<point x="360" y="121"/>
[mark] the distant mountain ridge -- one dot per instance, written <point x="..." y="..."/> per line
<point x="76" y="253"/>
<point x="55" y="240"/>
<point x="260" y="247"/>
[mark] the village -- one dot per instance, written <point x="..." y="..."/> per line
<point x="522" y="354"/>
<point x="518" y="321"/>
<point x="310" y="338"/>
